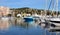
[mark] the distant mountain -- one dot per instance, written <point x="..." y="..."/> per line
<point x="31" y="10"/>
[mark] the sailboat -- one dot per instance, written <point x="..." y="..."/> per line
<point x="55" y="20"/>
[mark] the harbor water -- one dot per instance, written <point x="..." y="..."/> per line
<point x="11" y="26"/>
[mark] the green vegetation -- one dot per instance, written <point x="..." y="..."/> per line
<point x="31" y="11"/>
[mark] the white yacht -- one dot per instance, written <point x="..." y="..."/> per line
<point x="55" y="21"/>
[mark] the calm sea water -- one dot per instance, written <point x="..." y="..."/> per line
<point x="8" y="27"/>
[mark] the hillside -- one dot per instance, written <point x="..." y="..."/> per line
<point x="28" y="10"/>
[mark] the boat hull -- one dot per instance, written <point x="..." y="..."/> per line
<point x="28" y="19"/>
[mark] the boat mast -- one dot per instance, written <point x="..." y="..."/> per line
<point x="51" y="3"/>
<point x="57" y="7"/>
<point x="46" y="8"/>
<point x="53" y="7"/>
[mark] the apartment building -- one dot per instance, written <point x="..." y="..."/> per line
<point x="4" y="11"/>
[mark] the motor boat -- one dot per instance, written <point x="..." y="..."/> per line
<point x="55" y="21"/>
<point x="28" y="19"/>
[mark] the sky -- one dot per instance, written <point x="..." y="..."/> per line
<point x="37" y="4"/>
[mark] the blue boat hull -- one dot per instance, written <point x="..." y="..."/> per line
<point x="28" y="19"/>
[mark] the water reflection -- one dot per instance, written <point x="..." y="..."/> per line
<point x="4" y="24"/>
<point x="19" y="27"/>
<point x="21" y="23"/>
